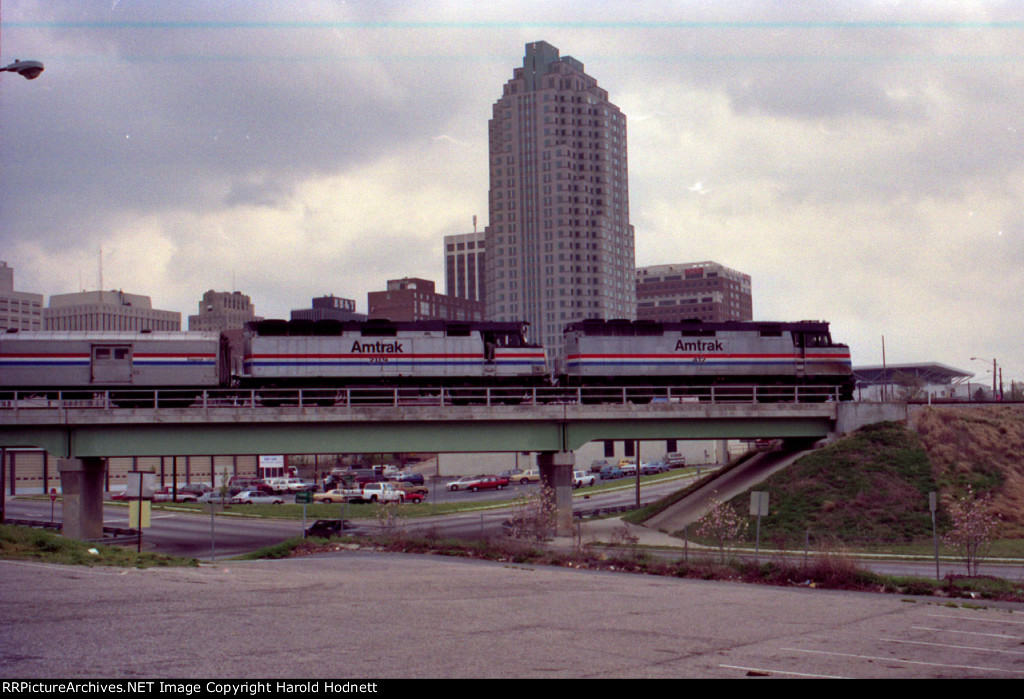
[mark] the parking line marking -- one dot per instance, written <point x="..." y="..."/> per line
<point x="969" y="633"/>
<point x="977" y="618"/>
<point x="908" y="662"/>
<point x="950" y="645"/>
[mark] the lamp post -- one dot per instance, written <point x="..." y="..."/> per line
<point x="29" y="70"/>
<point x="995" y="372"/>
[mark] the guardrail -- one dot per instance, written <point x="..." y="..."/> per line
<point x="111" y="535"/>
<point x="401" y="397"/>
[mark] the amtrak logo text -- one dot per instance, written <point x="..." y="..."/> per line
<point x="699" y="346"/>
<point x="376" y="347"/>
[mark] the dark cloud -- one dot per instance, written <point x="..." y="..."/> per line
<point x="850" y="154"/>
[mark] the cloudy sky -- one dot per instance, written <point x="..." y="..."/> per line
<point x="862" y="161"/>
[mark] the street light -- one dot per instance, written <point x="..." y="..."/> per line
<point x="30" y="70"/>
<point x="995" y="371"/>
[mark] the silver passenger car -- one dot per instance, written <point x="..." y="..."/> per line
<point x="46" y="361"/>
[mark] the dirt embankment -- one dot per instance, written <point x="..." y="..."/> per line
<point x="982" y="447"/>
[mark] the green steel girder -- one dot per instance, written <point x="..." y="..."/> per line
<point x="306" y="437"/>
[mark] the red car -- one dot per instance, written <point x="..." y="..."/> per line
<point x="413" y="497"/>
<point x="488" y="482"/>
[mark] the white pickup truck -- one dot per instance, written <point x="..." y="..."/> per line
<point x="288" y="485"/>
<point x="375" y="492"/>
<point x="582" y="478"/>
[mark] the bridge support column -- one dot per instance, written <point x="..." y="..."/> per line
<point x="81" y="483"/>
<point x="556" y="474"/>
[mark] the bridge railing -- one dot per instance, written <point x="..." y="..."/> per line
<point x="402" y="397"/>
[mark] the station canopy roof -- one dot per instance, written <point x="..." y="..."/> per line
<point x="931" y="373"/>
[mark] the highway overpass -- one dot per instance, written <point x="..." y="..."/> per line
<point x="82" y="436"/>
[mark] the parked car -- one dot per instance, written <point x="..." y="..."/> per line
<point x="330" y="496"/>
<point x="289" y="485"/>
<point x="675" y="460"/>
<point x="414" y="497"/>
<point x="527" y="477"/>
<point x="167" y="494"/>
<point x="609" y="472"/>
<point x="326" y="528"/>
<point x="415" y="478"/>
<point x="463" y="483"/>
<point x="378" y="492"/>
<point x="407" y="487"/>
<point x="487" y="482"/>
<point x="216" y="497"/>
<point x="255" y="497"/>
<point x="648" y="468"/>
<point x="241" y="483"/>
<point x="628" y="468"/>
<point x="582" y="478"/>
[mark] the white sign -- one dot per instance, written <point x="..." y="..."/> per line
<point x="758" y="503"/>
<point x="144" y="480"/>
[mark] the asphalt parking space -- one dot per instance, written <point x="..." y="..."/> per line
<point x="360" y="614"/>
<point x="922" y="639"/>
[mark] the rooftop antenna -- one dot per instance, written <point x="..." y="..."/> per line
<point x="101" y="269"/>
<point x="474" y="223"/>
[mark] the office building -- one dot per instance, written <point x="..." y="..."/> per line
<point x="415" y="299"/>
<point x="464" y="266"/>
<point x="223" y="310"/>
<point x="329" y="307"/>
<point x="19" y="310"/>
<point x="107" y="310"/>
<point x="703" y="290"/>
<point x="560" y="247"/>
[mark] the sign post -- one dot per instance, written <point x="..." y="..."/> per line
<point x="933" y="505"/>
<point x="304" y="497"/>
<point x="142" y="484"/>
<point x="758" y="507"/>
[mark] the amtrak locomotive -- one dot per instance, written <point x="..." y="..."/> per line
<point x="426" y="354"/>
<point x="646" y="358"/>
<point x="773" y="357"/>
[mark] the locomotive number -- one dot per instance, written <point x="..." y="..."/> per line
<point x="378" y="360"/>
<point x="699" y="359"/>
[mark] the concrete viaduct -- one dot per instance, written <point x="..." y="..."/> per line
<point x="81" y="438"/>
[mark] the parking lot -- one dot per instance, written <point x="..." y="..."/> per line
<point x="374" y="615"/>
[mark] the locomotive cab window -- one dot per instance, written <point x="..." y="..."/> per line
<point x="812" y="339"/>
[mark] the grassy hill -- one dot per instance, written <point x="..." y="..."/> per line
<point x="872" y="486"/>
<point x="982" y="447"/>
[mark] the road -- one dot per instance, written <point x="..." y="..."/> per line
<point x="189" y="534"/>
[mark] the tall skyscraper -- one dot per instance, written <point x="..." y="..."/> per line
<point x="559" y="243"/>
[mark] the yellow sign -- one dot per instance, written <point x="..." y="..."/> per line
<point x="137" y="513"/>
